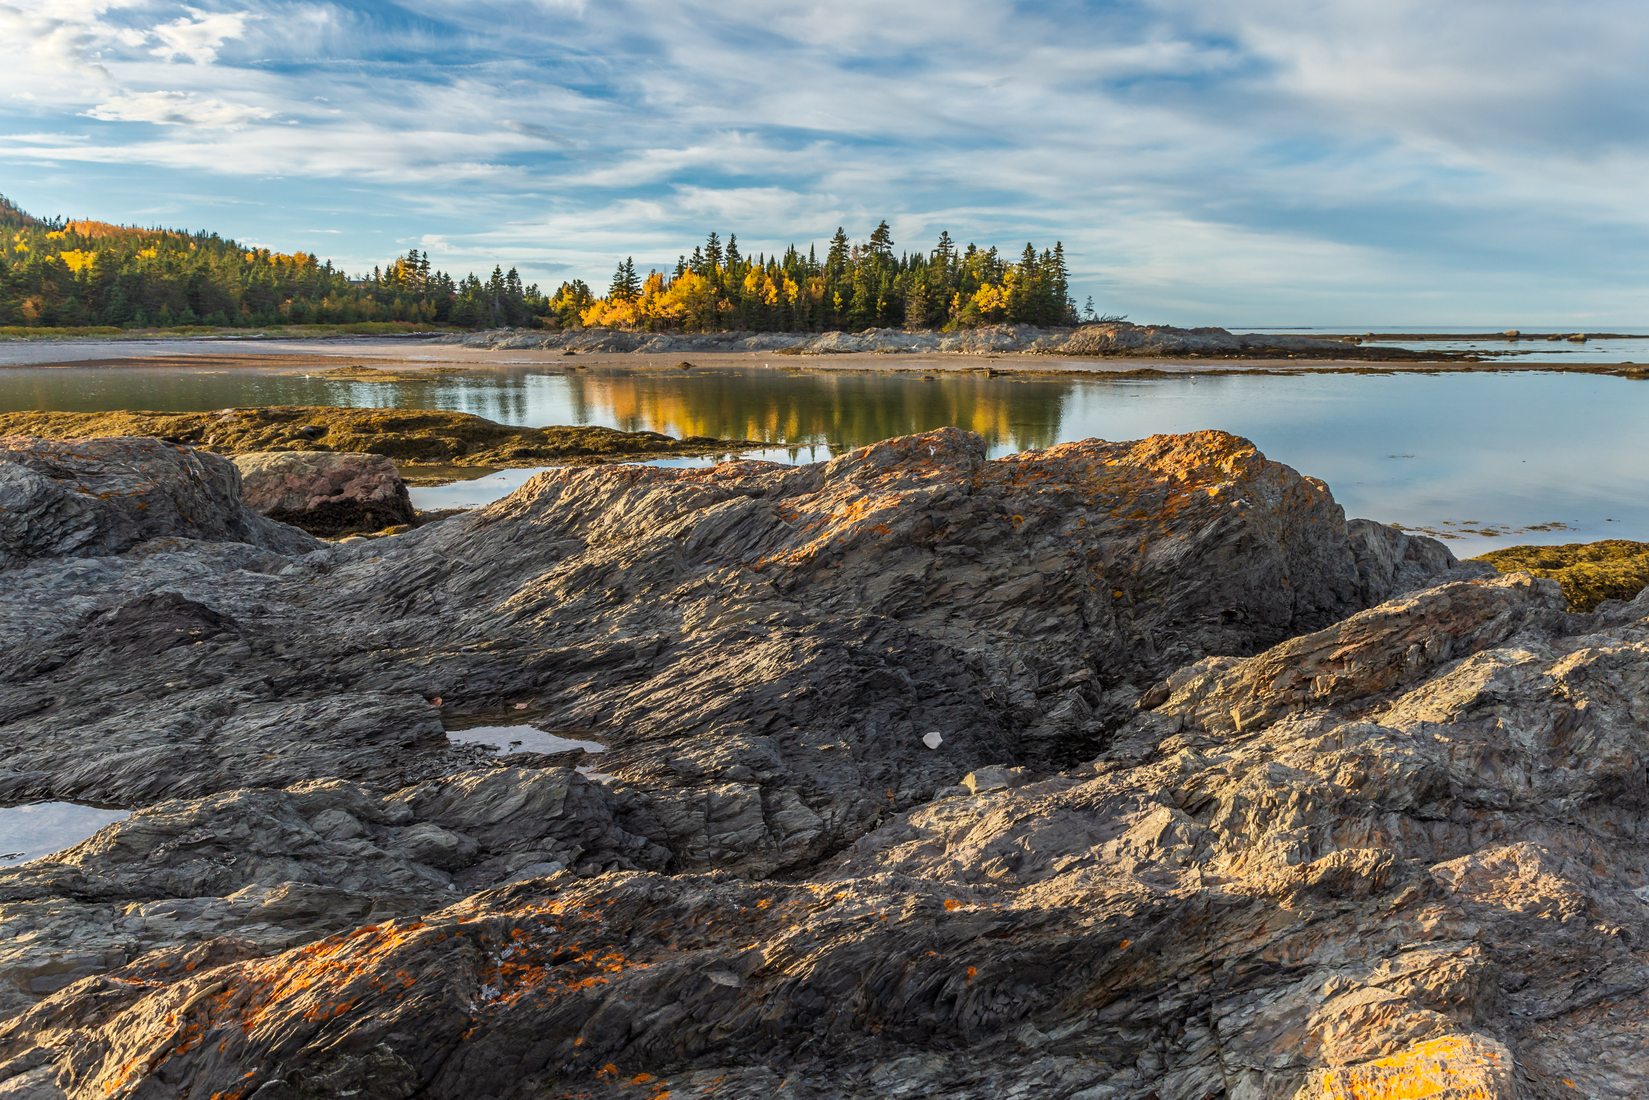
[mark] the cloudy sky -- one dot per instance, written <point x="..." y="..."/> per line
<point x="1336" y="162"/>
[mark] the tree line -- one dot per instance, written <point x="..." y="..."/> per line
<point x="70" y="272"/>
<point x="854" y="286"/>
<point x="63" y="272"/>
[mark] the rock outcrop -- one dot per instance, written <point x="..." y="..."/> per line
<point x="1088" y="772"/>
<point x="326" y="493"/>
<point x="95" y="498"/>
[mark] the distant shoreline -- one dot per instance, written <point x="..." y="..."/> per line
<point x="403" y="355"/>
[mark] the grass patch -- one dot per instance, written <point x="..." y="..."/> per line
<point x="1589" y="572"/>
<point x="417" y="437"/>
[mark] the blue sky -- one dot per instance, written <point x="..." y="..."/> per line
<point x="1342" y="162"/>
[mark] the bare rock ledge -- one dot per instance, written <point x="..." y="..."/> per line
<point x="1262" y="803"/>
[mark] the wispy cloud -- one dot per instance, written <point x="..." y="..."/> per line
<point x="1254" y="159"/>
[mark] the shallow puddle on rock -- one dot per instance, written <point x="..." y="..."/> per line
<point x="41" y="828"/>
<point x="507" y="739"/>
<point x="475" y="493"/>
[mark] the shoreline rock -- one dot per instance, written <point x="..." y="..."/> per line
<point x="90" y="499"/>
<point x="326" y="493"/>
<point x="413" y="438"/>
<point x="1230" y="825"/>
<point x="1103" y="339"/>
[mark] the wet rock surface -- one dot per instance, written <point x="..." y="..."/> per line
<point x="1199" y="820"/>
<point x="420" y="440"/>
<point x="325" y="493"/>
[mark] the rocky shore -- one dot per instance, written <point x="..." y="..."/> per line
<point x="1110" y="770"/>
<point x="1101" y="340"/>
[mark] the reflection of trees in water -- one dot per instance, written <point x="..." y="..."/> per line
<point x="849" y="408"/>
<point x="846" y="409"/>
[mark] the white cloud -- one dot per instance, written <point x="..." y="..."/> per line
<point x="197" y="36"/>
<point x="1189" y="153"/>
<point x="178" y="109"/>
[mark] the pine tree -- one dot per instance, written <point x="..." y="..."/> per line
<point x="881" y="241"/>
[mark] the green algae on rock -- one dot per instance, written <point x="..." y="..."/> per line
<point x="411" y="436"/>
<point x="1589" y="572"/>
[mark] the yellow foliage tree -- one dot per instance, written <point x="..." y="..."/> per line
<point x="991" y="301"/>
<point x="78" y="260"/>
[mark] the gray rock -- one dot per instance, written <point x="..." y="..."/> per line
<point x="1321" y="847"/>
<point x="325" y="492"/>
<point x="105" y="496"/>
<point x="1393" y="562"/>
<point x="1090" y="340"/>
<point x="992" y="778"/>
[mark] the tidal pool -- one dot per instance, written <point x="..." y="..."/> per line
<point x="525" y="738"/>
<point x="522" y="738"/>
<point x="1486" y="459"/>
<point x="41" y="828"/>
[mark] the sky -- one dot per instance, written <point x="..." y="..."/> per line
<point x="1350" y="163"/>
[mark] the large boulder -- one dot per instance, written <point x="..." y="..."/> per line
<point x="325" y="492"/>
<point x="104" y="496"/>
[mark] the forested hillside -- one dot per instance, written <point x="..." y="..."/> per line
<point x="70" y="273"/>
<point x="92" y="273"/>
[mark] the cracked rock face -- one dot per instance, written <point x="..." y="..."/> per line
<point x="1227" y="832"/>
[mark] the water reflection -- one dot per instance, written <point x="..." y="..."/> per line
<point x="1496" y="452"/>
<point x="847" y="408"/>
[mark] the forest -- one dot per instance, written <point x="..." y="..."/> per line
<point x="854" y="287"/>
<point x="70" y="272"/>
<point x="63" y="272"/>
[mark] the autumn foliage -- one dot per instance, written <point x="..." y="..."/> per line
<point x="69" y="273"/>
<point x="92" y="273"/>
<point x="855" y="286"/>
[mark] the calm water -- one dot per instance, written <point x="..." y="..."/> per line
<point x="1454" y="452"/>
<point x="41" y="828"/>
<point x="1532" y="347"/>
<point x="1632" y="350"/>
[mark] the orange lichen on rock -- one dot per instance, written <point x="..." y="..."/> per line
<point x="1453" y="1067"/>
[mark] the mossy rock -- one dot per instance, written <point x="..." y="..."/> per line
<point x="415" y="437"/>
<point x="1589" y="572"/>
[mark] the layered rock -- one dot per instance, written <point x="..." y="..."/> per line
<point x="1419" y="877"/>
<point x="780" y="879"/>
<point x="766" y="646"/>
<point x="87" y="499"/>
<point x="326" y="493"/>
